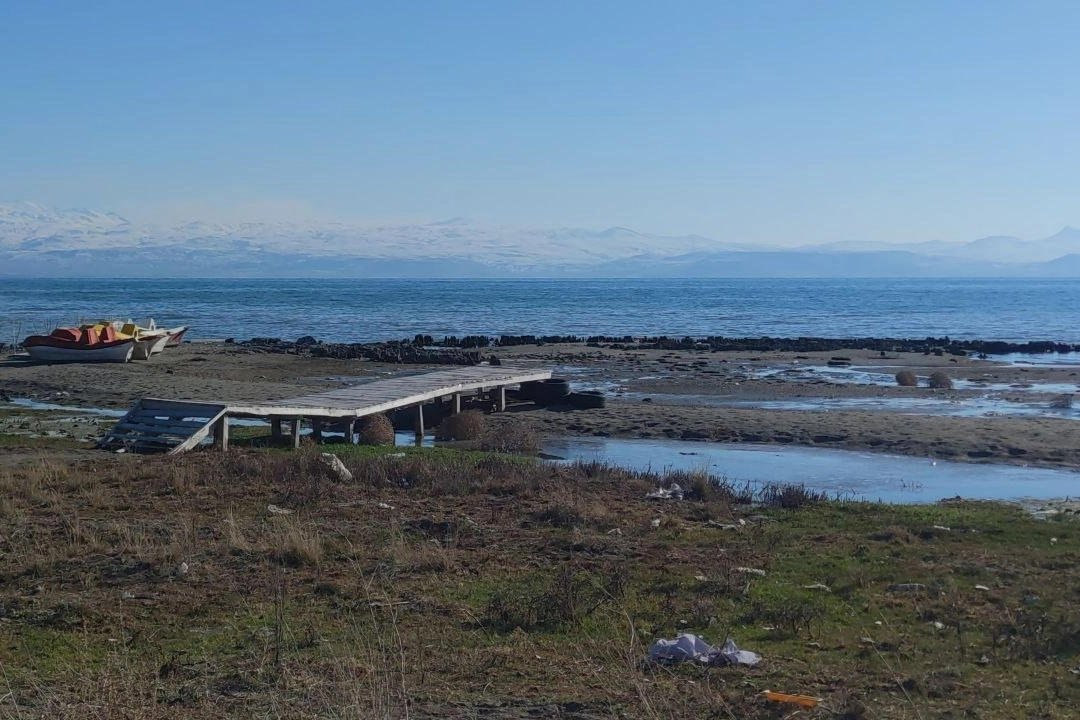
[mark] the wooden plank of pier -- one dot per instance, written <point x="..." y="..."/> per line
<point x="392" y="393"/>
<point x="196" y="419"/>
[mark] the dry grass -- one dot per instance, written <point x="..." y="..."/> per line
<point x="448" y="585"/>
<point x="376" y="430"/>
<point x="516" y="436"/>
<point x="465" y="425"/>
<point x="940" y="381"/>
<point x="906" y="378"/>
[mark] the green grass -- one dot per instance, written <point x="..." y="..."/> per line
<point x="10" y="440"/>
<point x="447" y="576"/>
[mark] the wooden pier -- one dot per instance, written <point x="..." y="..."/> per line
<point x="179" y="425"/>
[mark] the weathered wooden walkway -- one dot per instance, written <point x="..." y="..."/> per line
<point x="179" y="425"/>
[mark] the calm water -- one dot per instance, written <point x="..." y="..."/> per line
<point x="847" y="474"/>
<point x="368" y="310"/>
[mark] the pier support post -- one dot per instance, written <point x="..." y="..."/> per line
<point x="347" y="428"/>
<point x="419" y="438"/>
<point x="316" y="430"/>
<point x="275" y="428"/>
<point x="501" y="402"/>
<point x="221" y="433"/>
<point x="457" y="403"/>
<point x="296" y="422"/>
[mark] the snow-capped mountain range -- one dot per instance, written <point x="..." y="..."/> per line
<point x="29" y="227"/>
<point x="40" y="241"/>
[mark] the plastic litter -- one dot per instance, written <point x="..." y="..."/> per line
<point x="751" y="571"/>
<point x="688" y="647"/>
<point x="334" y="464"/>
<point x="803" y="701"/>
<point x="675" y="492"/>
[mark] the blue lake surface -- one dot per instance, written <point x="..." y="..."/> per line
<point x="847" y="474"/>
<point x="365" y="310"/>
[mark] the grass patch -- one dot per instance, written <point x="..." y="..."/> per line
<point x="9" y="440"/>
<point x="448" y="582"/>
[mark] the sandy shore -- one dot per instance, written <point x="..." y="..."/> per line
<point x="684" y="394"/>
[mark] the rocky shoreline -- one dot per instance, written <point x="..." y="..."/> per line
<point x="689" y="391"/>
<point x="451" y="350"/>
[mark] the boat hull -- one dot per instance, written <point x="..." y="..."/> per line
<point x="147" y="346"/>
<point x="176" y="336"/>
<point x="119" y="351"/>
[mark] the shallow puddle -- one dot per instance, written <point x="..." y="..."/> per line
<point x="983" y="406"/>
<point x="864" y="376"/>
<point x="27" y="404"/>
<point x="1022" y="399"/>
<point x="847" y="474"/>
<point x="1066" y="359"/>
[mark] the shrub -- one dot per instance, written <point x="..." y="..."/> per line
<point x="790" y="497"/>
<point x="376" y="430"/>
<point x="906" y="378"/>
<point x="512" y="437"/>
<point x="467" y="425"/>
<point x="940" y="380"/>
<point x="1062" y="402"/>
<point x="296" y="545"/>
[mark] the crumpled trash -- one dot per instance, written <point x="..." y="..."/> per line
<point x="333" y="462"/>
<point x="669" y="493"/>
<point x="688" y="647"/>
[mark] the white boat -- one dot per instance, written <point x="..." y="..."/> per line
<point x="176" y="335"/>
<point x="149" y="343"/>
<point x="148" y="340"/>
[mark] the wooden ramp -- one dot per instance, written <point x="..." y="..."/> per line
<point x="179" y="425"/>
<point x="164" y="425"/>
<point x="392" y="393"/>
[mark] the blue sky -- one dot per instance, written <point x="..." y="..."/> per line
<point x="774" y="122"/>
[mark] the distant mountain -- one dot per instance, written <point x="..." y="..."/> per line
<point x="802" y="263"/>
<point x="993" y="249"/>
<point x="27" y="230"/>
<point x="39" y="241"/>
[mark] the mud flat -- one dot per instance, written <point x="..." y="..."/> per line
<point x="688" y="394"/>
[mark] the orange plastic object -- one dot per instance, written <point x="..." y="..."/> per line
<point x="67" y="333"/>
<point x="804" y="701"/>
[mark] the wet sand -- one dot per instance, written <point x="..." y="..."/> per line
<point x="681" y="394"/>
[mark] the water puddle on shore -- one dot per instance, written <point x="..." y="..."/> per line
<point x="863" y="376"/>
<point x="1066" y="359"/>
<point x="28" y="404"/>
<point x="966" y="407"/>
<point x="977" y="406"/>
<point x="1019" y="399"/>
<point x="847" y="474"/>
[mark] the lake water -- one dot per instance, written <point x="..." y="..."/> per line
<point x="1015" y="310"/>
<point x="843" y="473"/>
